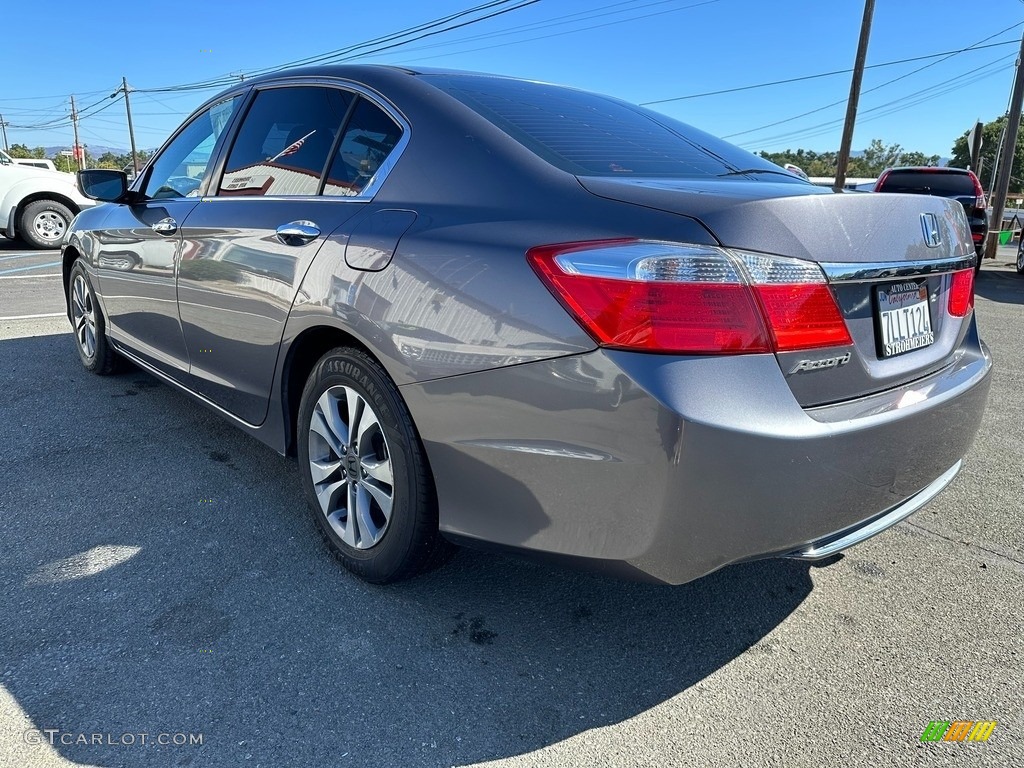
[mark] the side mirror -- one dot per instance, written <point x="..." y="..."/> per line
<point x="101" y="184"/>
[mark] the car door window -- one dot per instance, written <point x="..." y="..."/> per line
<point x="370" y="136"/>
<point x="180" y="168"/>
<point x="284" y="142"/>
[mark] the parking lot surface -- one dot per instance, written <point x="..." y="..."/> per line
<point x="162" y="576"/>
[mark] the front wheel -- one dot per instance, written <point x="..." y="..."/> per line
<point x="365" y="471"/>
<point x="89" y="325"/>
<point x="44" y="222"/>
<point x="1020" y="257"/>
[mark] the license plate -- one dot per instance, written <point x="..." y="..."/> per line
<point x="904" y="320"/>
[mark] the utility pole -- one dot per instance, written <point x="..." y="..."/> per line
<point x="131" y="130"/>
<point x="79" y="156"/>
<point x="1008" y="150"/>
<point x="3" y="129"/>
<point x="843" y="160"/>
<point x="975" y="137"/>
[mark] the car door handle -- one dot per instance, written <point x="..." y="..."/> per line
<point x="166" y="226"/>
<point x="298" y="232"/>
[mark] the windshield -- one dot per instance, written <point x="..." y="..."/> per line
<point x="591" y="135"/>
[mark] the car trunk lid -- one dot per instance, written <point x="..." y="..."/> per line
<point x="892" y="286"/>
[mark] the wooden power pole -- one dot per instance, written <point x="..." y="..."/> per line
<point x="1005" y="161"/>
<point x="843" y="160"/>
<point x="78" y="152"/>
<point x="131" y="130"/>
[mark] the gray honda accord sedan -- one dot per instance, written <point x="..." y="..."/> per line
<point x="509" y="314"/>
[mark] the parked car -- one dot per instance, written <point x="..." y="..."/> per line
<point x="796" y="169"/>
<point x="34" y="162"/>
<point x="516" y="315"/>
<point x="957" y="184"/>
<point x="1020" y="256"/>
<point x="38" y="205"/>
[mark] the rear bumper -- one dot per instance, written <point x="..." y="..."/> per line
<point x="673" y="467"/>
<point x="864" y="530"/>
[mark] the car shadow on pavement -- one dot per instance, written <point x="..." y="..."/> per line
<point x="162" y="575"/>
<point x="1003" y="286"/>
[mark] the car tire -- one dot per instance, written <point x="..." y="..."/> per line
<point x="379" y="470"/>
<point x="1020" y="257"/>
<point x="43" y="223"/>
<point x="89" y="325"/>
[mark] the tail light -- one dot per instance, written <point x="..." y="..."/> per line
<point x="961" y="293"/>
<point x="979" y="193"/>
<point x="671" y="297"/>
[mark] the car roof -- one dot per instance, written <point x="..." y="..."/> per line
<point x="927" y="169"/>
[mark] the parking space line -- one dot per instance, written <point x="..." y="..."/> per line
<point x="30" y="277"/>
<point x="33" y="317"/>
<point x="24" y="255"/>
<point x="25" y="269"/>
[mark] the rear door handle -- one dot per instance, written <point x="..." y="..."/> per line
<point x="166" y="226"/>
<point x="298" y="232"/>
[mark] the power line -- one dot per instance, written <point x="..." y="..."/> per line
<point x="898" y="105"/>
<point x="820" y="75"/>
<point x="424" y="28"/>
<point x="555" y="21"/>
<point x="559" y="34"/>
<point x="874" y="88"/>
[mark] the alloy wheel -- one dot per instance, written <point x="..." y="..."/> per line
<point x="350" y="464"/>
<point x="83" y="316"/>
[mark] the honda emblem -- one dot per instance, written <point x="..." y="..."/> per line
<point x="930" y="227"/>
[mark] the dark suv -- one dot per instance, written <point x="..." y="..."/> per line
<point x="956" y="183"/>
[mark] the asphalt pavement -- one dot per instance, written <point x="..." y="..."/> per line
<point x="161" y="580"/>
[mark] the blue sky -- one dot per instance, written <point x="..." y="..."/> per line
<point x="639" y="50"/>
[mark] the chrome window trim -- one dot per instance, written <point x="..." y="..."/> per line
<point x="283" y="198"/>
<point x="378" y="179"/>
<point x="863" y="273"/>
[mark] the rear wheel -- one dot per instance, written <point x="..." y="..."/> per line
<point x="89" y="326"/>
<point x="44" y="222"/>
<point x="365" y="471"/>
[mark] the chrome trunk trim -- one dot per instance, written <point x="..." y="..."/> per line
<point x="862" y="273"/>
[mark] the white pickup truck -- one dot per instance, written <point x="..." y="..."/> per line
<point x="35" y="162"/>
<point x="37" y="204"/>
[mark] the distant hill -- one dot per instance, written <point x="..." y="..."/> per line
<point x="95" y="150"/>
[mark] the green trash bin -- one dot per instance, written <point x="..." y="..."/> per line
<point x="1005" y="237"/>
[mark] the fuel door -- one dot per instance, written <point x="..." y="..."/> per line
<point x="375" y="238"/>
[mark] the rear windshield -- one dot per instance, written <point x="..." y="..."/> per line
<point x="591" y="135"/>
<point x="929" y="183"/>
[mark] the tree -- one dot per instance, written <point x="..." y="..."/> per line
<point x="109" y="160"/>
<point x="991" y="134"/>
<point x="22" y="151"/>
<point x="875" y="159"/>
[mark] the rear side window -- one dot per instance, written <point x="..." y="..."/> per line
<point x="370" y="136"/>
<point x="284" y="141"/>
<point x="940" y="183"/>
<point x="591" y="135"/>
